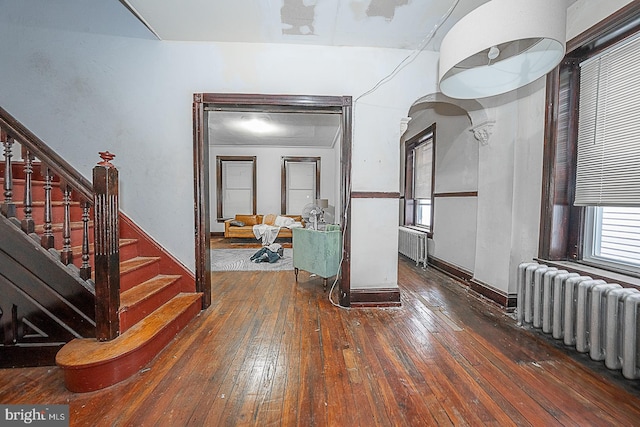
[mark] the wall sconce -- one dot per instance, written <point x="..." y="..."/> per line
<point x="502" y="45"/>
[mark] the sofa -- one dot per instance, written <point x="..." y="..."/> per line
<point x="232" y="227"/>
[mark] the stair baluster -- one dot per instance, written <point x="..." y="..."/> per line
<point x="47" y="240"/>
<point x="66" y="255"/>
<point x="28" y="225"/>
<point x="85" y="269"/>
<point x="8" y="208"/>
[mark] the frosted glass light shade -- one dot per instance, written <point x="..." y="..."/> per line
<point x="502" y="45"/>
<point x="323" y="203"/>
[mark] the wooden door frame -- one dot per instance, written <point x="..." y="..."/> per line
<point x="291" y="103"/>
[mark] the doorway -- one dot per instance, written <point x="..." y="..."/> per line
<point x="264" y="103"/>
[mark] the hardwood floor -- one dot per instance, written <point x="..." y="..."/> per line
<point x="272" y="352"/>
<point x="219" y="242"/>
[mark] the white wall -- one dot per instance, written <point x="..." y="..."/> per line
<point x="584" y="14"/>
<point x="268" y="175"/>
<point x="509" y="175"/>
<point x="456" y="170"/>
<point x="85" y="76"/>
<point x="85" y="91"/>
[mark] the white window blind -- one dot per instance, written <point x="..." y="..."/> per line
<point x="608" y="164"/>
<point x="237" y="188"/>
<point x="301" y="186"/>
<point x="422" y="170"/>
<point x="620" y="234"/>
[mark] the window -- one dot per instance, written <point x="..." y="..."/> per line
<point x="235" y="185"/>
<point x="613" y="237"/>
<point x="300" y="183"/>
<point x="419" y="167"/>
<point x="607" y="181"/>
<point x="591" y="197"/>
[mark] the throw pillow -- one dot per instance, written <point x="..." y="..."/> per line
<point x="269" y="219"/>
<point x="237" y="223"/>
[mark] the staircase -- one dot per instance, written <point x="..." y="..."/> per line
<point x="48" y="311"/>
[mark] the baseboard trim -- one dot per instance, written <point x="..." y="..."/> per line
<point x="375" y="297"/>
<point x="456" y="272"/>
<point x="507" y="302"/>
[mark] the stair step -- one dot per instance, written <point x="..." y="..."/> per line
<point x="57" y="227"/>
<point x="141" y="300"/>
<point x="126" y="251"/>
<point x="90" y="365"/>
<point x="137" y="270"/>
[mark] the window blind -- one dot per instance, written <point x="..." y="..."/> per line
<point x="237" y="188"/>
<point x="608" y="165"/>
<point x="620" y="234"/>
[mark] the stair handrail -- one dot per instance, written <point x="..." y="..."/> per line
<point x="102" y="194"/>
<point x="44" y="153"/>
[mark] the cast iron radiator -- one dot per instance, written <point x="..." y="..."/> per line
<point x="593" y="316"/>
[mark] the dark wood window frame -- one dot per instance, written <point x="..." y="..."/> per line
<point x="342" y="105"/>
<point x="219" y="161"/>
<point x="409" y="202"/>
<point x="561" y="223"/>
<point x="283" y="177"/>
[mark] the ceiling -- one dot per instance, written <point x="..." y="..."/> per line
<point x="399" y="24"/>
<point x="251" y="128"/>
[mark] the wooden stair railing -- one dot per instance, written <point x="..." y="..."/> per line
<point x="11" y="132"/>
<point x="100" y="331"/>
<point x="73" y="185"/>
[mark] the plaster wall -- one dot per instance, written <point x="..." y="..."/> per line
<point x="585" y="14"/>
<point x="87" y="76"/>
<point x="456" y="171"/>
<point x="94" y="80"/>
<point x="510" y="169"/>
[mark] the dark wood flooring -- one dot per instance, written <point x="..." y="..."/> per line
<point x="272" y="352"/>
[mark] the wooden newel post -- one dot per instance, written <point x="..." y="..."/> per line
<point x="107" y="252"/>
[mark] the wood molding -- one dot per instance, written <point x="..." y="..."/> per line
<point x="345" y="197"/>
<point x="457" y="194"/>
<point x="466" y="278"/>
<point x="450" y="269"/>
<point x="374" y="195"/>
<point x="375" y="297"/>
<point x="282" y="103"/>
<point x="201" y="203"/>
<point x="506" y="301"/>
<point x="617" y="19"/>
<point x="219" y="190"/>
<point x="284" y="160"/>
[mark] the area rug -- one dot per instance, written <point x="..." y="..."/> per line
<point x="240" y="260"/>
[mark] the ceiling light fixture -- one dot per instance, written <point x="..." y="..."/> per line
<point x="256" y="124"/>
<point x="502" y="45"/>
